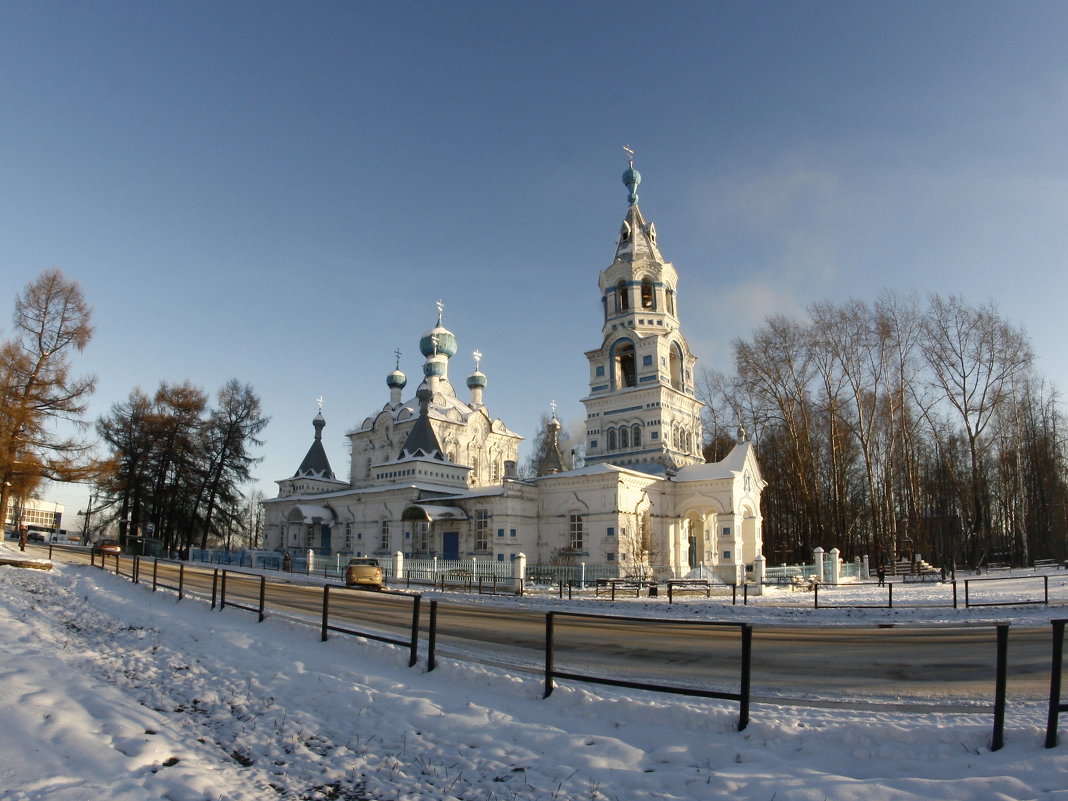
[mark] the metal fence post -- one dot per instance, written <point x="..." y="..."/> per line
<point x="263" y="597"/>
<point x="1055" y="705"/>
<point x="214" y="586"/>
<point x="326" y="612"/>
<point x="181" y="580"/>
<point x="432" y="638"/>
<point x="997" y="740"/>
<point x="548" y="654"/>
<point x="747" y="665"/>
<point x="413" y="655"/>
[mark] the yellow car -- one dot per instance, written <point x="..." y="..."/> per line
<point x="108" y="547"/>
<point x="364" y="572"/>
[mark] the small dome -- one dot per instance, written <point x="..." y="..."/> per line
<point x="477" y="379"/>
<point x="631" y="179"/>
<point x="396" y="380"/>
<point x="446" y="341"/>
<point x="435" y="366"/>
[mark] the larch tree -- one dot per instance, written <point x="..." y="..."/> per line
<point x="38" y="393"/>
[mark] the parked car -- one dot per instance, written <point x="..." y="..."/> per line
<point x="364" y="572"/>
<point x="35" y="536"/>
<point x="107" y="547"/>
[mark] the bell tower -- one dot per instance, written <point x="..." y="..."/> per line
<point x="641" y="410"/>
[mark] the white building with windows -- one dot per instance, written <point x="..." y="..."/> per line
<point x="435" y="475"/>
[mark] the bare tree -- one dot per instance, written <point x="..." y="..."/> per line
<point x="974" y="358"/>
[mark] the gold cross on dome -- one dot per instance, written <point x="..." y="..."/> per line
<point x="319" y="400"/>
<point x="478" y="358"/>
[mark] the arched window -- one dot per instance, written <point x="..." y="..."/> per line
<point x="675" y="366"/>
<point x="636" y="435"/>
<point x="624" y="438"/>
<point x="625" y="364"/>
<point x="611" y="439"/>
<point x="671" y="301"/>
<point x="648" y="296"/>
<point x="622" y="296"/>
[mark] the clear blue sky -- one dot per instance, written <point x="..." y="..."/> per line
<point x="280" y="191"/>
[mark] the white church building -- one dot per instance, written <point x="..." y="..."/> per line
<point x="434" y="475"/>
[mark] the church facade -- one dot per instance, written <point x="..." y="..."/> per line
<point x="434" y="475"/>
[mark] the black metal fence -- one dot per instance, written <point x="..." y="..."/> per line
<point x="243" y="590"/>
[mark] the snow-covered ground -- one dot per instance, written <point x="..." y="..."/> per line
<point x="110" y="690"/>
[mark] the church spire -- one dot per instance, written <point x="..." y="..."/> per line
<point x="315" y="464"/>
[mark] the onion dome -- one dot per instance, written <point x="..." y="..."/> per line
<point x="396" y="380"/>
<point x="438" y="339"/>
<point x="631" y="179"/>
<point x="477" y="380"/>
<point x="435" y="365"/>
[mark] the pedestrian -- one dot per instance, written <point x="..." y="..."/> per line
<point x="287" y="562"/>
<point x="881" y="573"/>
<point x="943" y="574"/>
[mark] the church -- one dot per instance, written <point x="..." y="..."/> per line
<point x="434" y="475"/>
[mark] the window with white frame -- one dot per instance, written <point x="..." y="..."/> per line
<point x="575" y="538"/>
<point x="383" y="542"/>
<point x="481" y="530"/>
<point x="422" y="536"/>
<point x="348" y="536"/>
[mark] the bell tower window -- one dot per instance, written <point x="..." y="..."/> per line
<point x="622" y="296"/>
<point x="625" y="365"/>
<point x="648" y="297"/>
<point x="675" y="365"/>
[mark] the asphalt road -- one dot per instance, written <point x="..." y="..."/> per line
<point x="934" y="664"/>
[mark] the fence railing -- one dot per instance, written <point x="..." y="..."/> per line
<point x="242" y="590"/>
<point x="742" y="696"/>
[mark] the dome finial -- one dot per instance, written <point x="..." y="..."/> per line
<point x="631" y="178"/>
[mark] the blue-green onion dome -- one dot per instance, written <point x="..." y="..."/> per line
<point x="446" y="341"/>
<point x="477" y="380"/>
<point x="396" y="380"/>
<point x="631" y="179"/>
<point x="436" y="365"/>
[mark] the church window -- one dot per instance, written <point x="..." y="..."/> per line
<point x="481" y="530"/>
<point x="422" y="536"/>
<point x="671" y="301"/>
<point x="622" y="297"/>
<point x="599" y="372"/>
<point x="648" y="297"/>
<point x="348" y="536"/>
<point x="612" y="439"/>
<point x="624" y="437"/>
<point x="575" y="538"/>
<point x="625" y="365"/>
<point x="647" y="361"/>
<point x="495" y="469"/>
<point x="610" y="557"/>
<point x="636" y="435"/>
<point x="675" y="366"/>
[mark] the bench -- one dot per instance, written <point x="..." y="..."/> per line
<point x="688" y="585"/>
<point x="628" y="584"/>
<point x="1046" y="564"/>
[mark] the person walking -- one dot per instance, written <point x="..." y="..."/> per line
<point x="881" y="573"/>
